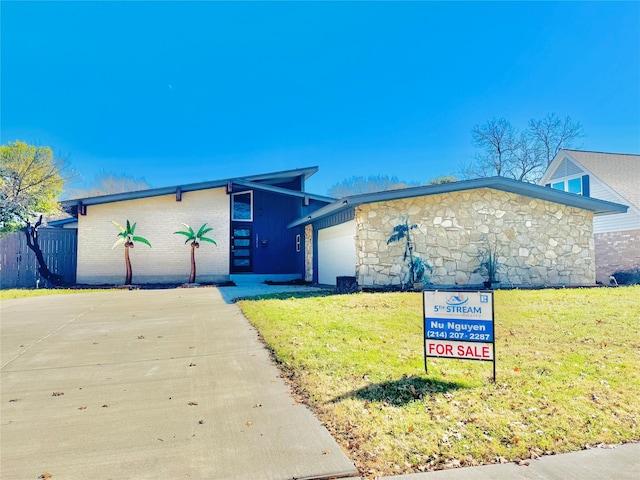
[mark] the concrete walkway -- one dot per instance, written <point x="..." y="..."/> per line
<point x="149" y="384"/>
<point x="619" y="463"/>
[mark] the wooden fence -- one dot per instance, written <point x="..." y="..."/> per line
<point x="19" y="266"/>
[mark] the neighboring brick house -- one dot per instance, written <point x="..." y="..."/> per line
<point x="249" y="216"/>
<point x="543" y="236"/>
<point x="613" y="177"/>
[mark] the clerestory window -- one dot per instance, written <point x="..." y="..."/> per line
<point x="242" y="206"/>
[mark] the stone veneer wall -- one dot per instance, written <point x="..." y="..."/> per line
<point x="616" y="251"/>
<point x="539" y="242"/>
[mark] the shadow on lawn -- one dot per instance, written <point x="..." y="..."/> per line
<point x="402" y="391"/>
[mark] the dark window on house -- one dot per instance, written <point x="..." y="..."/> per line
<point x="298" y="243"/>
<point x="242" y="206"/>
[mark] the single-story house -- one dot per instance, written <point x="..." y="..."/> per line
<point x="541" y="236"/>
<point x="267" y="227"/>
<point x="249" y="216"/>
<point x="608" y="176"/>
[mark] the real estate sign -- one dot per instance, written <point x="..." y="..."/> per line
<point x="459" y="324"/>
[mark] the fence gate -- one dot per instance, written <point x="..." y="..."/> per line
<point x="19" y="266"/>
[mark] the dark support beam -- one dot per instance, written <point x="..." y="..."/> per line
<point x="229" y="187"/>
<point x="82" y="208"/>
<point x="306" y="201"/>
<point x="178" y="194"/>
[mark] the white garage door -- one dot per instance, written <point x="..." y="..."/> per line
<point x="336" y="252"/>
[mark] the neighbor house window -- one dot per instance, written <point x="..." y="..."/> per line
<point x="242" y="206"/>
<point x="579" y="185"/>
<point x="574" y="185"/>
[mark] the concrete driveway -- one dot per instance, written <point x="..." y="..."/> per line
<point x="149" y="384"/>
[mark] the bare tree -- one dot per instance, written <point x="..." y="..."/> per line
<point x="525" y="165"/>
<point x="505" y="151"/>
<point x="552" y="133"/>
<point x="497" y="140"/>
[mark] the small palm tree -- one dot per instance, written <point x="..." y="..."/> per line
<point x="127" y="237"/>
<point x="417" y="266"/>
<point x="195" y="239"/>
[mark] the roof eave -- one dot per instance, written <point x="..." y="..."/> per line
<point x="189" y="187"/>
<point x="282" y="191"/>
<point x="598" y="207"/>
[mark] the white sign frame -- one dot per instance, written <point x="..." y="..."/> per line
<point x="459" y="325"/>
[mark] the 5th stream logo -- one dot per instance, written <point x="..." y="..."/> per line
<point x="458" y="304"/>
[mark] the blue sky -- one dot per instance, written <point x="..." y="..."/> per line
<point x="191" y="91"/>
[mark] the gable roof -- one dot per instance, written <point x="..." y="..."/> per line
<point x="264" y="181"/>
<point x="620" y="171"/>
<point x="598" y="207"/>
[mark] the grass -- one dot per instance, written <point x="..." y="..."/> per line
<point x="567" y="376"/>
<point x="12" y="293"/>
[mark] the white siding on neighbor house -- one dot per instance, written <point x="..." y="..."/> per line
<point x="157" y="218"/>
<point x="336" y="252"/>
<point x="619" y="221"/>
<point x="565" y="169"/>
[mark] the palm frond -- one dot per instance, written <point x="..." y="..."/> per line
<point x="189" y="228"/>
<point x="399" y="232"/>
<point x="204" y="229"/>
<point x="207" y="239"/>
<point x="119" y="241"/>
<point x="141" y="240"/>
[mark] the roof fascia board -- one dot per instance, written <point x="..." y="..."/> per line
<point x="190" y="187"/>
<point x="323" y="212"/>
<point x="152" y="192"/>
<point x="598" y="207"/>
<point x="282" y="191"/>
<point x="306" y="172"/>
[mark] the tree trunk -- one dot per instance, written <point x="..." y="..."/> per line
<point x="127" y="280"/>
<point x="192" y="277"/>
<point x="31" y="233"/>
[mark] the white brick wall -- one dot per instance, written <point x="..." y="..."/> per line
<point x="168" y="261"/>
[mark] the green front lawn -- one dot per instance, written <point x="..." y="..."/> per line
<point x="11" y="293"/>
<point x="567" y="376"/>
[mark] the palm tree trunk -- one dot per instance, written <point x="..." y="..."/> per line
<point x="127" y="280"/>
<point x="192" y="277"/>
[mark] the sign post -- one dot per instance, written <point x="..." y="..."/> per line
<point x="459" y="324"/>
